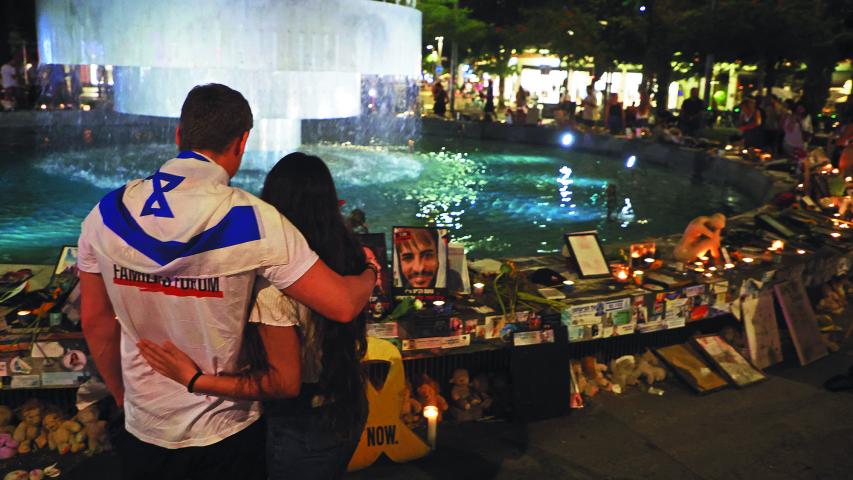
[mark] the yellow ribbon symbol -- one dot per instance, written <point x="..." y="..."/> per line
<point x="384" y="431"/>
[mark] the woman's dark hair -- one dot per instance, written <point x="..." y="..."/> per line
<point x="300" y="186"/>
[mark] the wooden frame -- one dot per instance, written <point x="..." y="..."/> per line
<point x="691" y="368"/>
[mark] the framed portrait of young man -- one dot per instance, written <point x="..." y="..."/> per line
<point x="420" y="262"/>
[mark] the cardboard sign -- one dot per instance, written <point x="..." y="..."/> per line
<point x="801" y="321"/>
<point x="762" y="332"/>
<point x="384" y="432"/>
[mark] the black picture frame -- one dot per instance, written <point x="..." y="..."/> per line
<point x="596" y="267"/>
<point x="728" y="369"/>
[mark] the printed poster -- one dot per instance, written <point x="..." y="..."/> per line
<point x="592" y="321"/>
<point x="677" y="310"/>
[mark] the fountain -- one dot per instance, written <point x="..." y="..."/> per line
<point x="292" y="59"/>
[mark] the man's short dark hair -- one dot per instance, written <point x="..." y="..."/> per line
<point x="212" y="116"/>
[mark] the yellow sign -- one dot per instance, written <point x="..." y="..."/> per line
<point x="384" y="431"/>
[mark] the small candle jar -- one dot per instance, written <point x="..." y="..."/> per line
<point x="479" y="287"/>
<point x="24" y="316"/>
<point x="568" y="286"/>
<point x="438" y="306"/>
<point x="638" y="277"/>
<point x="621" y="273"/>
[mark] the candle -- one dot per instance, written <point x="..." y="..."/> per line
<point x="699" y="269"/>
<point x="748" y="260"/>
<point x="729" y="266"/>
<point x="713" y="269"/>
<point x="568" y="285"/>
<point x="431" y="414"/>
<point x="709" y="274"/>
<point x="478" y="288"/>
<point x="438" y="305"/>
<point x="777" y="246"/>
<point x="24" y="315"/>
<point x="622" y="275"/>
<point x="801" y="251"/>
<point x="638" y="277"/>
<point x="650" y="260"/>
<point x="835" y="234"/>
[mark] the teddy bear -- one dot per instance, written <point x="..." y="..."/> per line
<point x="466" y="406"/>
<point x="594" y="373"/>
<point x="8" y="446"/>
<point x="6" y="417"/>
<point x="411" y="409"/>
<point x="62" y="434"/>
<point x="834" y="297"/>
<point x="428" y="394"/>
<point x="621" y="372"/>
<point x="28" y="433"/>
<point x="95" y="431"/>
<point x="460" y="393"/>
<point x="648" y="368"/>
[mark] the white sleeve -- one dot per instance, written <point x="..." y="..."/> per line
<point x="273" y="307"/>
<point x="87" y="260"/>
<point x="299" y="257"/>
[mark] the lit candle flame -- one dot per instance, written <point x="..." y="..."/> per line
<point x="748" y="260"/>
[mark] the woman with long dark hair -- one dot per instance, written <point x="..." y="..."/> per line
<point x="313" y="434"/>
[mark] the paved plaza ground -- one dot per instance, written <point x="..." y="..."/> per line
<point x="786" y="427"/>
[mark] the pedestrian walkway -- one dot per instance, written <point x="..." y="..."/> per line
<point x="786" y="427"/>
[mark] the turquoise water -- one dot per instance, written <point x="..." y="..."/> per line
<point x="499" y="199"/>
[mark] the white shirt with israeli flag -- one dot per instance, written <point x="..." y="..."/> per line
<point x="179" y="253"/>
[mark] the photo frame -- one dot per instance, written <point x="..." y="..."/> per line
<point x="691" y="368"/>
<point x="376" y="251"/>
<point x="64" y="275"/>
<point x="420" y="263"/>
<point x="728" y="361"/>
<point x="585" y="249"/>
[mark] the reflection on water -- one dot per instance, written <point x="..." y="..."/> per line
<point x="498" y="199"/>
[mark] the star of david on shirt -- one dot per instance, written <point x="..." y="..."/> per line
<point x="158" y="196"/>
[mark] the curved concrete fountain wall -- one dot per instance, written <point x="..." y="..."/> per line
<point x="292" y="59"/>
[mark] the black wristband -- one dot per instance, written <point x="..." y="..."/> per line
<point x="373" y="267"/>
<point x="192" y="381"/>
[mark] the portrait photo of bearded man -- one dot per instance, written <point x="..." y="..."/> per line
<point x="420" y="258"/>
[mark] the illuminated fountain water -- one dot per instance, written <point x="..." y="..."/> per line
<point x="292" y="59"/>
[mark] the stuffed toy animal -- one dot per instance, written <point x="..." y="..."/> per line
<point x="410" y="412"/>
<point x="28" y="433"/>
<point x="460" y="393"/>
<point x="834" y="297"/>
<point x="8" y="446"/>
<point x="62" y="434"/>
<point x="594" y="373"/>
<point x="428" y="394"/>
<point x="649" y="368"/>
<point x="621" y="372"/>
<point x="6" y="417"/>
<point x="94" y="432"/>
<point x="466" y="406"/>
